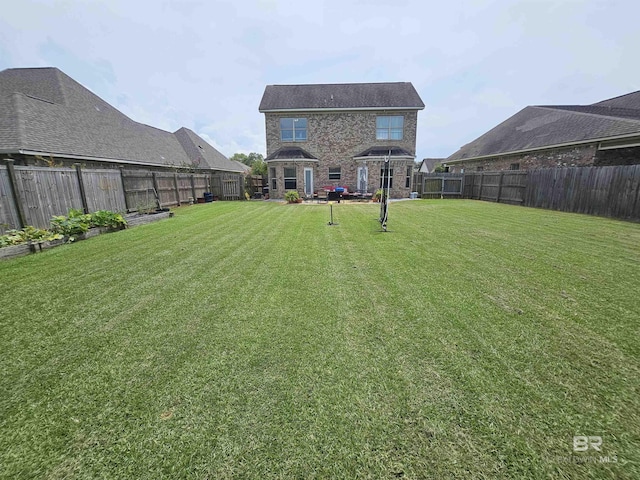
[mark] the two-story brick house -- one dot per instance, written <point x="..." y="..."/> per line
<point x="339" y="135"/>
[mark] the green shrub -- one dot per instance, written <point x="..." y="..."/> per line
<point x="27" y="234"/>
<point x="291" y="196"/>
<point x="75" y="223"/>
<point x="107" y="219"/>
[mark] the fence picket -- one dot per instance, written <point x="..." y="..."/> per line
<point x="44" y="192"/>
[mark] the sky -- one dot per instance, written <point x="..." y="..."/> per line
<point x="205" y="64"/>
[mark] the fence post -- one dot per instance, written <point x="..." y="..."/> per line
<point x="499" y="187"/>
<point x="155" y="188"/>
<point x="22" y="219"/>
<point x="175" y="184"/>
<point x="193" y="188"/>
<point x="83" y="193"/>
<point x="480" y="190"/>
<point x="124" y="190"/>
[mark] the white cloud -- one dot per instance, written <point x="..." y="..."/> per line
<point x="204" y="65"/>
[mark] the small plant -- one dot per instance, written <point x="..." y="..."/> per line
<point x="107" y="219"/>
<point x="378" y="195"/>
<point x="291" y="196"/>
<point x="148" y="207"/>
<point x="76" y="223"/>
<point x="26" y="235"/>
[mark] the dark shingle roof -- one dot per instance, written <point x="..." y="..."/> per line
<point x="290" y="153"/>
<point x="430" y="163"/>
<point x="629" y="100"/>
<point x="383" y="152"/>
<point x="202" y="154"/>
<point x="546" y="126"/>
<point x="47" y="111"/>
<point x="600" y="110"/>
<point x="401" y="95"/>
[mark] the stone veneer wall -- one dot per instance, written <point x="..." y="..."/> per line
<point x="334" y="138"/>
<point x="618" y="156"/>
<point x="556" y="157"/>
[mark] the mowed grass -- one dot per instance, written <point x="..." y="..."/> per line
<point x="252" y="340"/>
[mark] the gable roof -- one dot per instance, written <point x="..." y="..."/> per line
<point x="43" y="110"/>
<point x="538" y="127"/>
<point x="428" y="164"/>
<point x="203" y="155"/>
<point x="341" y="96"/>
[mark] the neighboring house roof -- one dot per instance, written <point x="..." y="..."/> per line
<point x="245" y="168"/>
<point x="290" y="153"/>
<point x="629" y="100"/>
<point x="341" y="96"/>
<point x="538" y="127"/>
<point x="202" y="154"/>
<point x="428" y="164"/>
<point x="43" y="110"/>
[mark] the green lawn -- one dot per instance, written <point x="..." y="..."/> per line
<point x="252" y="340"/>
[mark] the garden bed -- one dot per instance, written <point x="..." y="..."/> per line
<point x="133" y="220"/>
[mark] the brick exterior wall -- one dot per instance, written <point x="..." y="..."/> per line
<point x="334" y="138"/>
<point x="618" y="156"/>
<point x="556" y="157"/>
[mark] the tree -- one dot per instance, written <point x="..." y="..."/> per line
<point x="259" y="167"/>
<point x="257" y="164"/>
<point x="248" y="159"/>
<point x="239" y="157"/>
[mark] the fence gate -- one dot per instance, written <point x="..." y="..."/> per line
<point x="439" y="185"/>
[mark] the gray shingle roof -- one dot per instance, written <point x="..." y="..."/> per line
<point x="430" y="163"/>
<point x="290" y="153"/>
<point x="629" y="100"/>
<point x="44" y="110"/>
<point x="542" y="127"/>
<point x="400" y="95"/>
<point x="383" y="152"/>
<point x="202" y="154"/>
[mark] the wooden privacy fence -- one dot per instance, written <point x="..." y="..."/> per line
<point x="612" y="191"/>
<point x="227" y="186"/>
<point x="144" y="189"/>
<point x="32" y="195"/>
<point x="506" y="186"/>
<point x="438" y="185"/>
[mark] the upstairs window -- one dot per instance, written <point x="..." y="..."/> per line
<point x="389" y="127"/>
<point x="293" y="129"/>
<point x="335" y="173"/>
<point x="514" y="166"/>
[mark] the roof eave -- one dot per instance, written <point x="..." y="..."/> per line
<point x="315" y="160"/>
<point x="71" y="156"/>
<point x="343" y="109"/>
<point x="383" y="157"/>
